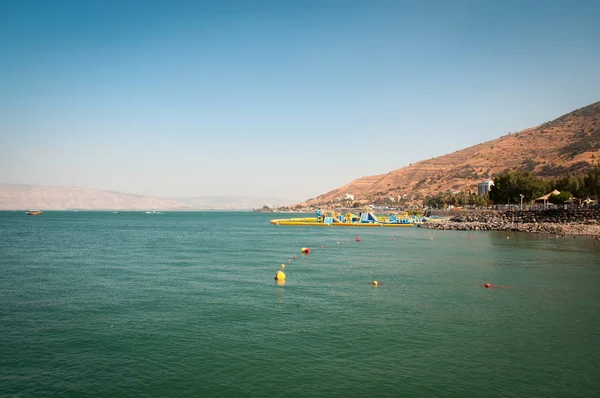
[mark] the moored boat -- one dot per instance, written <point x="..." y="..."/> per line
<point x="34" y="212"/>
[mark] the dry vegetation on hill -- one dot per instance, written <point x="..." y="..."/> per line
<point x="570" y="143"/>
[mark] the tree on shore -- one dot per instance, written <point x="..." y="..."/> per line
<point x="561" y="198"/>
<point x="510" y="185"/>
<point x="570" y="183"/>
<point x="457" y="199"/>
<point x="592" y="181"/>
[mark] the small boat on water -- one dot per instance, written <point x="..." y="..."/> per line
<point x="34" y="212"/>
<point x="364" y="219"/>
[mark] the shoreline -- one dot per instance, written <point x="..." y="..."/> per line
<point x="583" y="229"/>
<point x="553" y="222"/>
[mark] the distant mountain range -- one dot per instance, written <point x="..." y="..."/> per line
<point x="568" y="144"/>
<point x="22" y="197"/>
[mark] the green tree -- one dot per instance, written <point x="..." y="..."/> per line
<point x="570" y="183"/>
<point x="509" y="186"/>
<point x="560" y="199"/>
<point x="478" y="200"/>
<point x="592" y="181"/>
<point x="432" y="201"/>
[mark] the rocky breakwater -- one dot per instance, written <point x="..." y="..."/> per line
<point x="572" y="222"/>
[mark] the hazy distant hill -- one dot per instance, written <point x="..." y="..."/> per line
<point x="21" y="197"/>
<point x="570" y="143"/>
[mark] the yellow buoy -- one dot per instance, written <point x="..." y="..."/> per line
<point x="282" y="266"/>
<point x="280" y="275"/>
<point x="375" y="283"/>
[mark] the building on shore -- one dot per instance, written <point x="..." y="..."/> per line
<point x="483" y="188"/>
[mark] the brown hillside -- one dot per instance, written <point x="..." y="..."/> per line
<point x="570" y="143"/>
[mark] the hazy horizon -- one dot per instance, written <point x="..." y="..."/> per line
<point x="276" y="99"/>
<point x="22" y="196"/>
<point x="138" y="194"/>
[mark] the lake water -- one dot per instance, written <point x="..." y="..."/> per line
<point x="184" y="304"/>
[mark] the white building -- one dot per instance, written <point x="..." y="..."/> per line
<point x="348" y="197"/>
<point x="483" y="188"/>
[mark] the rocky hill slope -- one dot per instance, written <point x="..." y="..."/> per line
<point x="570" y="143"/>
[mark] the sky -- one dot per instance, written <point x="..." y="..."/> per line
<point x="286" y="99"/>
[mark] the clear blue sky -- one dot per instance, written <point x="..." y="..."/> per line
<point x="276" y="98"/>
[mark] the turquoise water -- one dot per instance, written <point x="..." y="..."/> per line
<point x="184" y="304"/>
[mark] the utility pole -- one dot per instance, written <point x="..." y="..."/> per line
<point x="521" y="195"/>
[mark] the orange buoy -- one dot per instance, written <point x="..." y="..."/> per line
<point x="358" y="238"/>
<point x="294" y="257"/>
<point x="305" y="250"/>
<point x="487" y="285"/>
<point x="393" y="238"/>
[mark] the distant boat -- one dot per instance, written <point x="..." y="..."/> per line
<point x="34" y="212"/>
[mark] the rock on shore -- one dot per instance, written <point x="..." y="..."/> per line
<point x="569" y="222"/>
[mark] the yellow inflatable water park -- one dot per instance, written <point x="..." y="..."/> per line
<point x="331" y="218"/>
